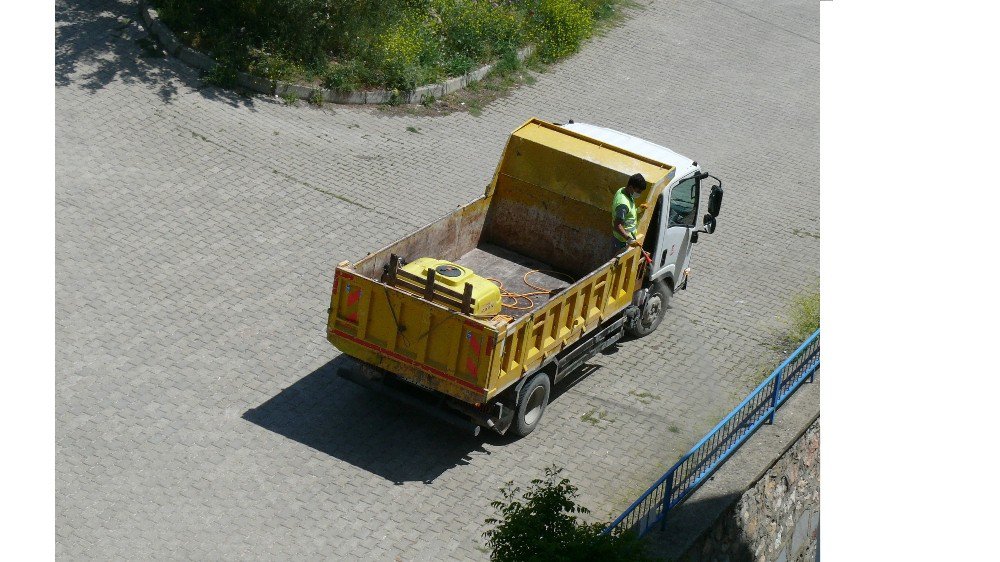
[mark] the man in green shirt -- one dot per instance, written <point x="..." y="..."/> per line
<point x="623" y="212"/>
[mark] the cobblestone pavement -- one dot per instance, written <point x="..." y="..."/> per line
<point x="197" y="413"/>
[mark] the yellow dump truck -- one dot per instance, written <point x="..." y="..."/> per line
<point x="475" y="316"/>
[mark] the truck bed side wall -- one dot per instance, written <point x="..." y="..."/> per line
<point x="558" y="324"/>
<point x="447" y="238"/>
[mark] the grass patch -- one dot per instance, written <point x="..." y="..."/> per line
<point x="801" y="322"/>
<point x="595" y="416"/>
<point x="804" y="318"/>
<point x="392" y="44"/>
<point x="644" y="396"/>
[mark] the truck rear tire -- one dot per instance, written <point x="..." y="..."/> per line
<point x="652" y="312"/>
<point x="531" y="404"/>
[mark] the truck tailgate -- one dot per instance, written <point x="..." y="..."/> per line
<point x="422" y="342"/>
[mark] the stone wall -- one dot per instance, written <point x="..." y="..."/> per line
<point x="776" y="520"/>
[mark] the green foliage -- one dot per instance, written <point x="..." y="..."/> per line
<point x="221" y="75"/>
<point x="479" y="31"/>
<point x="805" y="317"/>
<point x="394" y="44"/>
<point x="541" y="526"/>
<point x="561" y="26"/>
<point x="349" y="75"/>
<point x="270" y="65"/>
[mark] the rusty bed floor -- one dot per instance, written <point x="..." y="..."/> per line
<point x="509" y="267"/>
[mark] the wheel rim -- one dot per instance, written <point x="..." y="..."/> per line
<point x="536" y="402"/>
<point x="652" y="310"/>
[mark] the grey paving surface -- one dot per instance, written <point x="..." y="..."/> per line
<point x="197" y="413"/>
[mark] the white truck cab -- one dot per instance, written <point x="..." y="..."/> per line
<point x="673" y="228"/>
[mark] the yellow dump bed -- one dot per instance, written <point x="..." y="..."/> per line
<point x="547" y="209"/>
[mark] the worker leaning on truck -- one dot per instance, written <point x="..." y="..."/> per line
<point x="623" y="212"/>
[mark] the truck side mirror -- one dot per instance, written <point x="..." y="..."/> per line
<point x="710" y="223"/>
<point x="715" y="200"/>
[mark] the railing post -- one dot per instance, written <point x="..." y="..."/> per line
<point x="813" y="373"/>
<point x="774" y="396"/>
<point x="666" y="499"/>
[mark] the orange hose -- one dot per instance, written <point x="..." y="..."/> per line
<point x="505" y="294"/>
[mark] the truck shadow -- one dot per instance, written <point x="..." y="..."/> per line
<point x="336" y="417"/>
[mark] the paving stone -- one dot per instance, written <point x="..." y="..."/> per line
<point x="198" y="414"/>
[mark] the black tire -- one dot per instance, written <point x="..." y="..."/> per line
<point x="531" y="405"/>
<point x="652" y="312"/>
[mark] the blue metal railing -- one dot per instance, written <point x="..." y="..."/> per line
<point x="704" y="458"/>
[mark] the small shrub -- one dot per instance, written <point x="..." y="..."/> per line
<point x="541" y="526"/>
<point x="349" y="75"/>
<point x="457" y="65"/>
<point x="561" y="26"/>
<point x="479" y="30"/>
<point x="224" y="75"/>
<point x="271" y="66"/>
<point x="406" y="54"/>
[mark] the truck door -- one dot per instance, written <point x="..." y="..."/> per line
<point x="680" y="217"/>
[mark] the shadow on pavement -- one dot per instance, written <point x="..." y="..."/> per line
<point x="101" y="41"/>
<point x="353" y="424"/>
<point x="704" y="529"/>
<point x="375" y="433"/>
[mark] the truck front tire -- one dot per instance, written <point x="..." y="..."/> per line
<point x="531" y="405"/>
<point x="652" y="312"/>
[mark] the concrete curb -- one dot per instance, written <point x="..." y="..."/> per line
<point x="203" y="62"/>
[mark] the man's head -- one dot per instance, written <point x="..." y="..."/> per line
<point x="636" y="184"/>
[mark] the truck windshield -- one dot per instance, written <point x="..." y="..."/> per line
<point x="684" y="203"/>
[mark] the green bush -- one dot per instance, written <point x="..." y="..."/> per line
<point x="561" y="25"/>
<point x="405" y="54"/>
<point x="349" y="75"/>
<point x="478" y="30"/>
<point x="389" y="43"/>
<point x="540" y="526"/>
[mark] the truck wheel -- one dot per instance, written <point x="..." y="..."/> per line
<point x="533" y="399"/>
<point x="652" y="313"/>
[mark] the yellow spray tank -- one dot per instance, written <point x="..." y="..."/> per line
<point x="485" y="293"/>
